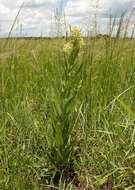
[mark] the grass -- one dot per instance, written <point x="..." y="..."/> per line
<point x="31" y="76"/>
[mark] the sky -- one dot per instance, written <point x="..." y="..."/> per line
<point x="37" y="16"/>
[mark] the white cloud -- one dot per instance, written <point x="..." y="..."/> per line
<point x="36" y="14"/>
<point x="81" y="12"/>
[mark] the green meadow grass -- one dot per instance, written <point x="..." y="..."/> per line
<point x="31" y="75"/>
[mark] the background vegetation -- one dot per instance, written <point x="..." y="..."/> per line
<point x="103" y="140"/>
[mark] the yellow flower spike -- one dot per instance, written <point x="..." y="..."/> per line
<point x="76" y="33"/>
<point x="67" y="48"/>
<point x="76" y="41"/>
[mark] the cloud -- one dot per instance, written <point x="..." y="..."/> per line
<point x="40" y="3"/>
<point x="115" y="7"/>
<point x="36" y="15"/>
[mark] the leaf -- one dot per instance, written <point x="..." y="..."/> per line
<point x="127" y="108"/>
<point x="58" y="137"/>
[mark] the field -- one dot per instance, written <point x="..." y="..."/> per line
<point x="70" y="130"/>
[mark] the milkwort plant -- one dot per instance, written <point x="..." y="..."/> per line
<point x="61" y="138"/>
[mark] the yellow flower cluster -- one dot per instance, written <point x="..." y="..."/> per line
<point x="76" y="33"/>
<point x="67" y="47"/>
<point x="76" y="39"/>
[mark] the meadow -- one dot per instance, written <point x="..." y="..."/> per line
<point x="70" y="130"/>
